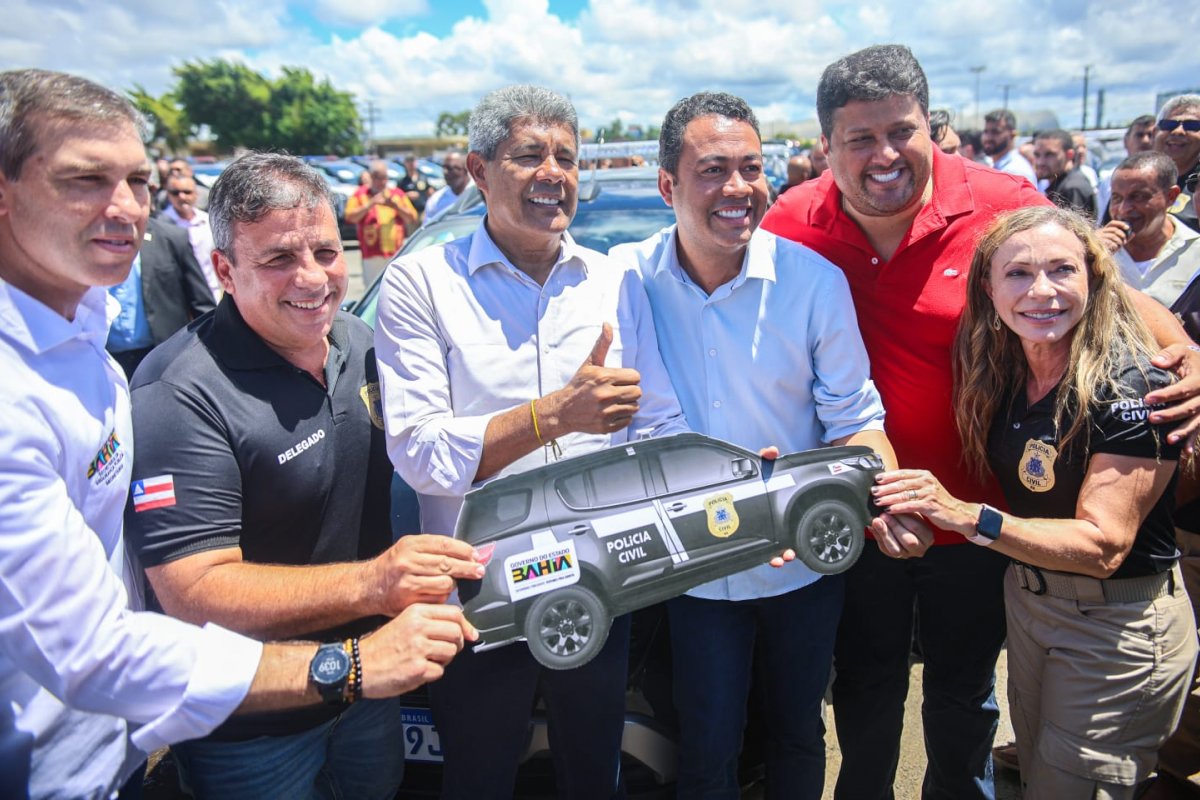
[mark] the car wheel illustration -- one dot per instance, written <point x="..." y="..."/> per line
<point x="829" y="538"/>
<point x="566" y="628"/>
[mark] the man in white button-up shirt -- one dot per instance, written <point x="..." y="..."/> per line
<point x="760" y="340"/>
<point x="80" y="668"/>
<point x="497" y="352"/>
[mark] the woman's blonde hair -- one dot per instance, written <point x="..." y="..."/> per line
<point x="989" y="364"/>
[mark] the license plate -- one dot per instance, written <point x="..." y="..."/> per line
<point x="421" y="741"/>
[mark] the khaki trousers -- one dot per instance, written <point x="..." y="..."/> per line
<point x="1095" y="687"/>
<point x="1180" y="755"/>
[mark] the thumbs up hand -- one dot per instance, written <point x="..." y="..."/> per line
<point x="597" y="399"/>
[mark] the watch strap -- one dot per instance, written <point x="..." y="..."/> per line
<point x="987" y="527"/>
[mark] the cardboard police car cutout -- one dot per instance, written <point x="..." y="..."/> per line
<point x="577" y="542"/>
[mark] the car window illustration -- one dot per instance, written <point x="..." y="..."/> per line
<point x="580" y="541"/>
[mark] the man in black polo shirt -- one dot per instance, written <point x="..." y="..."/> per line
<point x="261" y="487"/>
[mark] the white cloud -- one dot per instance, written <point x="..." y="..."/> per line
<point x="368" y="12"/>
<point x="635" y="57"/>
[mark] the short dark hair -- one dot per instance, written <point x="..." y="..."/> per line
<point x="1162" y="165"/>
<point x="257" y="184"/>
<point x="701" y="104"/>
<point x="939" y="121"/>
<point x="1063" y="137"/>
<point x="1140" y="122"/>
<point x="1002" y="115"/>
<point x="875" y="73"/>
<point x="32" y="98"/>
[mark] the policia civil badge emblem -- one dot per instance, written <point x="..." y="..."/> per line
<point x="575" y="543"/>
<point x="722" y="515"/>
<point x="1036" y="469"/>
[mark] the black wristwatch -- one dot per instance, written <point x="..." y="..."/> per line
<point x="329" y="670"/>
<point x="987" y="527"/>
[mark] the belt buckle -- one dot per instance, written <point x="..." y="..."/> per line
<point x="1027" y="570"/>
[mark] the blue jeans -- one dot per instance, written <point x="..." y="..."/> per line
<point x="358" y="755"/>
<point x="958" y="593"/>
<point x="714" y="644"/>
<point x="484" y="703"/>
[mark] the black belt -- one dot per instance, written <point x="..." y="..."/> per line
<point x="1069" y="586"/>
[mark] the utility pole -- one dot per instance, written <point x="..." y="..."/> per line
<point x="1005" y="87"/>
<point x="1099" y="108"/>
<point x="977" y="70"/>
<point x="1086" y="72"/>
<point x="372" y="114"/>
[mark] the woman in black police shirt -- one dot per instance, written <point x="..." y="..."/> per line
<point x="1051" y="363"/>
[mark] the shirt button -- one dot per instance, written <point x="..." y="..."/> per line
<point x="1016" y="426"/>
<point x="713" y="352"/>
<point x="716" y="403"/>
<point x="874" y="260"/>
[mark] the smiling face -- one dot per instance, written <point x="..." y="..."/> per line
<point x="531" y="186"/>
<point x="76" y="216"/>
<point x="1181" y="145"/>
<point x="719" y="195"/>
<point x="288" y="277"/>
<point x="1038" y="283"/>
<point x="881" y="155"/>
<point x="1138" y="200"/>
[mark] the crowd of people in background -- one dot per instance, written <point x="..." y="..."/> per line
<point x="1013" y="335"/>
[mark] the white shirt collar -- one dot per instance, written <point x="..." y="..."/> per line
<point x="758" y="261"/>
<point x="35" y="326"/>
<point x="484" y="251"/>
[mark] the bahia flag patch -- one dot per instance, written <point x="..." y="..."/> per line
<point x="151" y="493"/>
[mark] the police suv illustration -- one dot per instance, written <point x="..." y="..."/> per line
<point x="577" y="542"/>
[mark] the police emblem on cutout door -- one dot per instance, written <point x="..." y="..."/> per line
<point x="1036" y="469"/>
<point x="722" y="515"/>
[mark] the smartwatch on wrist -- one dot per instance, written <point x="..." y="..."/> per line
<point x="987" y="527"/>
<point x="329" y="670"/>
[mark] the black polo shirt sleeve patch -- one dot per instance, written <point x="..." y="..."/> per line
<point x="178" y="435"/>
<point x="1122" y="424"/>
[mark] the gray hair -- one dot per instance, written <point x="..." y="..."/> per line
<point x="491" y="121"/>
<point x="1003" y="116"/>
<point x="875" y="73"/>
<point x="257" y="184"/>
<point x="1162" y="165"/>
<point x="1180" y="102"/>
<point x="701" y="104"/>
<point x="30" y="99"/>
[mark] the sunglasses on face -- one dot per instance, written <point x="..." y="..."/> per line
<point x="178" y="192"/>
<point x="1189" y="125"/>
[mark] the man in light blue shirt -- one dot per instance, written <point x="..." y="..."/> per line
<point x="759" y="338"/>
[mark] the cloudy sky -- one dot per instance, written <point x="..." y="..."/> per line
<point x="628" y="58"/>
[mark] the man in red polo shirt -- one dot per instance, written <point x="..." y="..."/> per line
<point x="901" y="219"/>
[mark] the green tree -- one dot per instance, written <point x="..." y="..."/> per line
<point x="452" y="124"/>
<point x="170" y="124"/>
<point x="233" y="100"/>
<point x="245" y="109"/>
<point x="311" y="117"/>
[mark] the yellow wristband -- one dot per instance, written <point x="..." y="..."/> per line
<point x="533" y="413"/>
